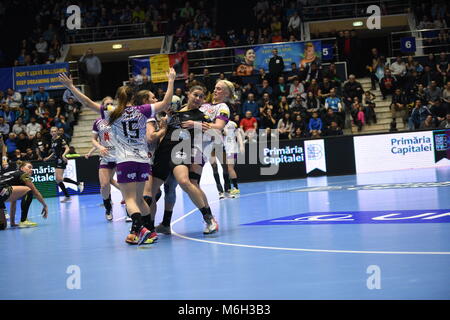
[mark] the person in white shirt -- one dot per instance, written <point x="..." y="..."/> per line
<point x="19" y="127"/>
<point x="33" y="127"/>
<point x="14" y="99"/>
<point x="4" y="127"/>
<point x="398" y="69"/>
<point x="294" y="25"/>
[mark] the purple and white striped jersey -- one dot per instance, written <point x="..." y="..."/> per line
<point x="103" y="130"/>
<point x="128" y="133"/>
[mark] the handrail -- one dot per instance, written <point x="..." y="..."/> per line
<point x="348" y="4"/>
<point x="419" y="30"/>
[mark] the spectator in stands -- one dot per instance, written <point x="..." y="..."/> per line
<point x="430" y="62"/>
<point x="41" y="96"/>
<point x="41" y="48"/>
<point x="4" y="127"/>
<point x="446" y="96"/>
<point x="146" y="84"/>
<point x="10" y="143"/>
<point x="334" y="129"/>
<point x="388" y="84"/>
<point x="29" y="101"/>
<point x="207" y="80"/>
<point x="352" y="89"/>
<point x="267" y="120"/>
<point x="399" y="104"/>
<point x="93" y="68"/>
<point x="398" y="69"/>
<point x="33" y="127"/>
<point x="293" y="74"/>
<point x="41" y="112"/>
<point x="369" y="106"/>
<point x="296" y="89"/>
<point x="24" y="114"/>
<point x="429" y="75"/>
<point x="250" y="105"/>
<point x="438" y="110"/>
<point x="433" y="93"/>
<point x="22" y="142"/>
<point x="7" y="114"/>
<point x="266" y="88"/>
<point x="54" y="110"/>
<point x="418" y="115"/>
<point x="13" y="99"/>
<point x="315" y="125"/>
<point x="428" y="123"/>
<point x="372" y="66"/>
<point x="280" y="89"/>
<point x="217" y="42"/>
<point x="19" y="127"/>
<point x="443" y="67"/>
<point x="446" y="123"/>
<point x="284" y="126"/>
<point x="294" y="25"/>
<point x="276" y="66"/>
<point x="249" y="126"/>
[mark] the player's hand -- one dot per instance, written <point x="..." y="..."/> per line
<point x="171" y="75"/>
<point x="65" y="159"/>
<point x="87" y="156"/>
<point x="65" y="80"/>
<point x="45" y="212"/>
<point x="103" y="151"/>
<point x="188" y="124"/>
<point x="205" y="126"/>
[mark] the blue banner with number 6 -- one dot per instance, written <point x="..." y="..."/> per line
<point x="408" y="44"/>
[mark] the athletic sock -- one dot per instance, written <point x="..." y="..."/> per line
<point x="206" y="212"/>
<point x="137" y="222"/>
<point x="226" y="179"/>
<point x="63" y="188"/>
<point x="148" y="222"/>
<point x="107" y="204"/>
<point x="25" y="205"/>
<point x="71" y="181"/>
<point x="158" y="195"/>
<point x="167" y="218"/>
<point x="218" y="184"/>
<point x="235" y="183"/>
<point x="148" y="200"/>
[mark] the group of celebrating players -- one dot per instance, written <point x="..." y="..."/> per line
<point x="148" y="143"/>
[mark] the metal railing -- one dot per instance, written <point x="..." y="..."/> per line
<point x="427" y="40"/>
<point x="351" y="9"/>
<point x="116" y="32"/>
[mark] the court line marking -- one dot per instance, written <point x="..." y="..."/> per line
<point x="290" y="249"/>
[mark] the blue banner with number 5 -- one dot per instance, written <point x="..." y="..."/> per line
<point x="408" y="44"/>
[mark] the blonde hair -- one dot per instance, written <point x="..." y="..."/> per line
<point x="232" y="97"/>
<point x="124" y="95"/>
<point x="141" y="96"/>
<point x="106" y="98"/>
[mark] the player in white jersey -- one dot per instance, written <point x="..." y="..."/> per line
<point x="233" y="144"/>
<point x="128" y="125"/>
<point x="101" y="140"/>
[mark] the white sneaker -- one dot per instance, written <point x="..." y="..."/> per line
<point x="229" y="195"/>
<point x="7" y="216"/>
<point x="109" y="216"/>
<point x="81" y="187"/>
<point x="211" y="226"/>
<point x="128" y="219"/>
<point x="221" y="196"/>
<point x="66" y="199"/>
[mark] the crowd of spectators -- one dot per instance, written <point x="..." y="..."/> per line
<point x="419" y="91"/>
<point x="26" y="119"/>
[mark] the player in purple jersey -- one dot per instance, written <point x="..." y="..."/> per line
<point x="128" y="124"/>
<point x="102" y="140"/>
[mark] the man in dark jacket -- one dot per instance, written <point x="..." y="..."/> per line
<point x="352" y="89"/>
<point x="276" y="66"/>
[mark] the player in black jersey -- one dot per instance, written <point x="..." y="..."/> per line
<point x="59" y="149"/>
<point x="172" y="156"/>
<point x="16" y="184"/>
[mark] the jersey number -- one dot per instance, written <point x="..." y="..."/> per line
<point x="128" y="130"/>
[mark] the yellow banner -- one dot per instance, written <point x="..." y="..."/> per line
<point x="159" y="65"/>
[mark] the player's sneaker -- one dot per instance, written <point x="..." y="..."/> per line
<point x="7" y="216"/>
<point x="235" y="191"/>
<point x="27" y="224"/>
<point x="211" y="226"/>
<point x="163" y="229"/>
<point x="81" y="187"/>
<point x="229" y="195"/>
<point x="152" y="238"/>
<point x="132" y="238"/>
<point x="128" y="219"/>
<point x="143" y="235"/>
<point x="66" y="199"/>
<point x="109" y="215"/>
<point x="221" y="195"/>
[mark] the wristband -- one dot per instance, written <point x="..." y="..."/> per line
<point x="5" y="159"/>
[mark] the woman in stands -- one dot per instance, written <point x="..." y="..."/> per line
<point x="167" y="159"/>
<point x="15" y="185"/>
<point x="59" y="149"/>
<point x="128" y="125"/>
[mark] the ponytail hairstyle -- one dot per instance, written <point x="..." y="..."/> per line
<point x="232" y="97"/>
<point x="124" y="95"/>
<point x="139" y="97"/>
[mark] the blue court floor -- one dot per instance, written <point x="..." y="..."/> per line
<point x="370" y="236"/>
